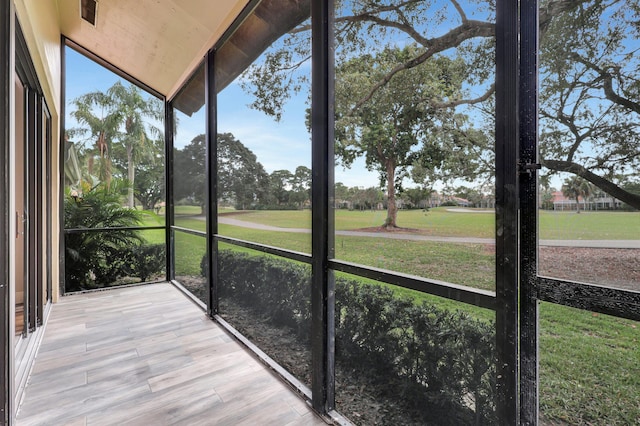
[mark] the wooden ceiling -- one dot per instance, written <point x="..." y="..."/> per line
<point x="259" y="29"/>
<point x="159" y="42"/>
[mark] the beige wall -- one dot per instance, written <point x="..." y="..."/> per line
<point x="39" y="22"/>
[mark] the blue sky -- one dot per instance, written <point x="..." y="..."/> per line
<point x="277" y="145"/>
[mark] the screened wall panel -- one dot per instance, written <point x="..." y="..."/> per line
<point x="589" y="145"/>
<point x="190" y="259"/>
<point x="268" y="300"/>
<point x="414" y="139"/>
<point x="588" y="367"/>
<point x="263" y="139"/>
<point x="189" y="155"/>
<point x="114" y="178"/>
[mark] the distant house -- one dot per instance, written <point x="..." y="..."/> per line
<point x="598" y="202"/>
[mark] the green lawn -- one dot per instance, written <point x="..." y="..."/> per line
<point x="442" y="221"/>
<point x="589" y="367"/>
<point x="188" y="210"/>
<point x="589" y="363"/>
<point x="590" y="225"/>
<point x="467" y="264"/>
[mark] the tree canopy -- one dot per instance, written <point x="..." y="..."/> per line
<point x="589" y="86"/>
<point x="241" y="177"/>
<point x="118" y="125"/>
<point x="399" y="127"/>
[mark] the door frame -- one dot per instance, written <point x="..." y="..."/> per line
<point x="6" y="128"/>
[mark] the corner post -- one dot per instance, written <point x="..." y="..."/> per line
<point x="212" y="184"/>
<point x="507" y="139"/>
<point x="322" y="130"/>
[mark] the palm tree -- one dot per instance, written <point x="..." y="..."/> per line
<point x="118" y="118"/>
<point x="576" y="187"/>
<point x="132" y="109"/>
<point x="95" y="112"/>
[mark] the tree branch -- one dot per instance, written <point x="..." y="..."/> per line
<point x="477" y="100"/>
<point x="552" y="9"/>
<point x="449" y="40"/>
<point x="463" y="15"/>
<point x="607" y="186"/>
<point x="607" y="85"/>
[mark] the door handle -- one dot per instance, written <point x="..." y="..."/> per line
<point x="20" y="224"/>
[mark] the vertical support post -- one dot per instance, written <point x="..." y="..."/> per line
<point x="31" y="227"/>
<point x="507" y="210"/>
<point x="322" y="129"/>
<point x="528" y="212"/>
<point x="212" y="184"/>
<point x="48" y="207"/>
<point x="169" y="131"/>
<point x="6" y="328"/>
<point x="39" y="214"/>
<point x="62" y="145"/>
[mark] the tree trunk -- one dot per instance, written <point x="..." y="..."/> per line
<point x="131" y="175"/>
<point x="392" y="209"/>
<point x="577" y="205"/>
<point x="607" y="186"/>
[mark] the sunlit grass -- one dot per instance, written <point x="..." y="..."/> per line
<point x="589" y="367"/>
<point x="445" y="221"/>
<point x="590" y="225"/>
<point x="589" y="363"/>
<point x="189" y="251"/>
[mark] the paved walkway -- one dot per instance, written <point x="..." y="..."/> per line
<point x="627" y="244"/>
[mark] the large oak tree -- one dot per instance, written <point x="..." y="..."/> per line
<point x="589" y="69"/>
<point x="399" y="126"/>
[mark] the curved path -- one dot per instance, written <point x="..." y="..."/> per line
<point x="628" y="244"/>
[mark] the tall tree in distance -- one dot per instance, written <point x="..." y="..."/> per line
<point x="149" y="183"/>
<point x="575" y="188"/>
<point x="301" y="186"/>
<point x="96" y="116"/>
<point x="134" y="112"/>
<point x="119" y="121"/>
<point x="241" y="178"/>
<point x="189" y="172"/>
<point x="398" y="127"/>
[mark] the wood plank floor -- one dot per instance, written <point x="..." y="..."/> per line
<point x="146" y="355"/>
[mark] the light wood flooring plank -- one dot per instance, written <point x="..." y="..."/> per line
<point x="147" y="355"/>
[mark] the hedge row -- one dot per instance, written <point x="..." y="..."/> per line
<point x="110" y="265"/>
<point x="437" y="362"/>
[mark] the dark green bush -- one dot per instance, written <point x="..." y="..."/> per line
<point x="143" y="262"/>
<point x="95" y="259"/>
<point x="439" y="363"/>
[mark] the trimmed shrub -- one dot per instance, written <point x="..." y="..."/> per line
<point x="439" y="363"/>
<point x="144" y="262"/>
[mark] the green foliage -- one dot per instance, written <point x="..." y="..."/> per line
<point x="576" y="188"/>
<point x="146" y="261"/>
<point x="242" y="180"/>
<point x="94" y="259"/>
<point x="118" y="124"/>
<point x="398" y="127"/>
<point x="589" y="91"/>
<point x="149" y="184"/>
<point x="189" y="172"/>
<point x="430" y="360"/>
